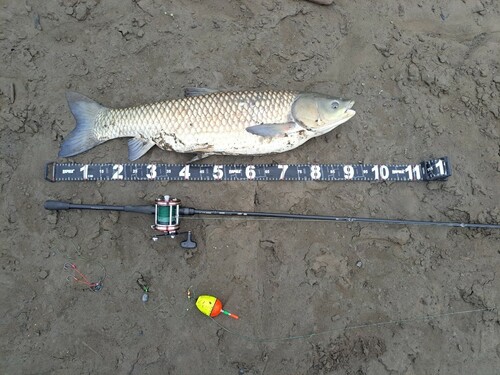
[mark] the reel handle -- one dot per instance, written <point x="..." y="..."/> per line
<point x="188" y="243"/>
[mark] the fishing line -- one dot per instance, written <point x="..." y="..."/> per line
<point x="160" y="305"/>
<point x="428" y="317"/>
<point x="349" y="328"/>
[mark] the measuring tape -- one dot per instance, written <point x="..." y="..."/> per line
<point x="430" y="170"/>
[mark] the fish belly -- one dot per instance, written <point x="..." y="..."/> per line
<point x="231" y="143"/>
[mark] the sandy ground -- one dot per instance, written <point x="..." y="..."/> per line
<point x="426" y="80"/>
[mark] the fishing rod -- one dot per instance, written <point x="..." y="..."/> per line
<point x="168" y="211"/>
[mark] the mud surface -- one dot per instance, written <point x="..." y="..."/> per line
<point x="426" y="80"/>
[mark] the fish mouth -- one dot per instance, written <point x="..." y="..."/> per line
<point x="348" y="111"/>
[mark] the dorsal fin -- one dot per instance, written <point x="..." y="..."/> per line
<point x="197" y="91"/>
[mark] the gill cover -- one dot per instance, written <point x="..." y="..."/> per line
<point x="320" y="113"/>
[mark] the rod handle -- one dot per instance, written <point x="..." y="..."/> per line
<point x="140" y="209"/>
<point x="56" y="205"/>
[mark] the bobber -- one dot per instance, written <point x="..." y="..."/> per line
<point x="212" y="306"/>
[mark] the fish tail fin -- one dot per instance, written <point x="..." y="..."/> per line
<point x="83" y="137"/>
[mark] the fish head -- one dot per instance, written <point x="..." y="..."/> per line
<point x="320" y="113"/>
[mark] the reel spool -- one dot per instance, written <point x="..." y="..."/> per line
<point x="167" y="215"/>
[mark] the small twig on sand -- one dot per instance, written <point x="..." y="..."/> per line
<point x="88" y="346"/>
<point x="141" y="8"/>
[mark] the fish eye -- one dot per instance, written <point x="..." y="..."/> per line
<point x="335" y="104"/>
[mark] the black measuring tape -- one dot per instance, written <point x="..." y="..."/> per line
<point x="430" y="170"/>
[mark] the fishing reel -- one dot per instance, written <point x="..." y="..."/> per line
<point x="167" y="218"/>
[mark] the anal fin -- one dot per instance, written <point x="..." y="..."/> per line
<point x="137" y="147"/>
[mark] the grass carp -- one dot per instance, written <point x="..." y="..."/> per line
<point x="208" y="122"/>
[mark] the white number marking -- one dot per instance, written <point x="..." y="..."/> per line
<point x="250" y="172"/>
<point x="283" y="168"/>
<point x="440" y="166"/>
<point x="384" y="172"/>
<point x="348" y="172"/>
<point x="218" y="172"/>
<point x="315" y="172"/>
<point x="185" y="172"/>
<point x="381" y="172"/>
<point x="413" y="172"/>
<point x="85" y="170"/>
<point x="118" y="169"/>
<point x="416" y="171"/>
<point x="151" y="171"/>
<point x="409" y="170"/>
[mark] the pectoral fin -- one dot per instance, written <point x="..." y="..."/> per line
<point x="274" y="130"/>
<point x="138" y="147"/>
